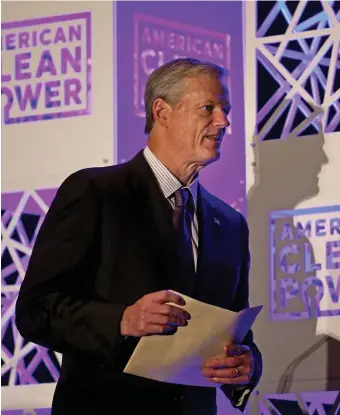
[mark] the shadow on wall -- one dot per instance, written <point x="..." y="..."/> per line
<point x="295" y="358"/>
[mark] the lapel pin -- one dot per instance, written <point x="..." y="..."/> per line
<point x="217" y="221"/>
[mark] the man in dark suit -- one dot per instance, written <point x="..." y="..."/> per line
<point x="115" y="239"/>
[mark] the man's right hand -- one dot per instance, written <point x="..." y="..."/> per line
<point x="152" y="315"/>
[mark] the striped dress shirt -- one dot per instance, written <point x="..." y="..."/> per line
<point x="169" y="184"/>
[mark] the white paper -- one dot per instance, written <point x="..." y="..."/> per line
<point x="178" y="358"/>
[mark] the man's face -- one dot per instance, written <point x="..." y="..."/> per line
<point x="198" y="121"/>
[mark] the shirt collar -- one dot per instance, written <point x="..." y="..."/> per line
<point x="167" y="181"/>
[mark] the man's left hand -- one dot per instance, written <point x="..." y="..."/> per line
<point x="236" y="368"/>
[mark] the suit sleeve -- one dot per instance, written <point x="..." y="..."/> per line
<point x="56" y="306"/>
<point x="239" y="396"/>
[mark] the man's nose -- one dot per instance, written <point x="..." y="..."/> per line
<point x="221" y="119"/>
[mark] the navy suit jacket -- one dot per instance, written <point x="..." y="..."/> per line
<point x="106" y="241"/>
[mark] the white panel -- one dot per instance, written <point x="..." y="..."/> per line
<point x="329" y="157"/>
<point x="27" y="396"/>
<point x="41" y="154"/>
<point x="328" y="195"/>
<point x="249" y="64"/>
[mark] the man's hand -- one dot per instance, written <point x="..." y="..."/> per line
<point x="236" y="368"/>
<point x="151" y="315"/>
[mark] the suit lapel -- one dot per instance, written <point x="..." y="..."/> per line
<point x="155" y="221"/>
<point x="156" y="215"/>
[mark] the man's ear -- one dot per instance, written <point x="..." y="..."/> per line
<point x="161" y="111"/>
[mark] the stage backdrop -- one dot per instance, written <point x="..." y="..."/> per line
<point x="73" y="77"/>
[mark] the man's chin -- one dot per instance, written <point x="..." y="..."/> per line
<point x="211" y="156"/>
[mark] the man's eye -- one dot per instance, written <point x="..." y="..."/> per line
<point x="208" y="108"/>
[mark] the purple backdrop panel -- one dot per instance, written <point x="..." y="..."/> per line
<point x="152" y="33"/>
<point x="46" y="67"/>
<point x="157" y="41"/>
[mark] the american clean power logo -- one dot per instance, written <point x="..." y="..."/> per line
<point x="157" y="41"/>
<point x="305" y="263"/>
<point x="45" y="70"/>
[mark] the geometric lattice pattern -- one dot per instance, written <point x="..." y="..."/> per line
<point x="21" y="218"/>
<point x="298" y="68"/>
<point x="311" y="403"/>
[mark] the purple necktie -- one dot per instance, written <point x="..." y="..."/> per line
<point x="182" y="219"/>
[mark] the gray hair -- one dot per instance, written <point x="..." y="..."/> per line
<point x="164" y="82"/>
